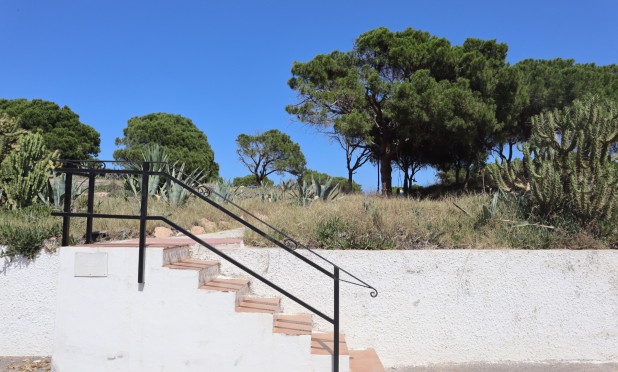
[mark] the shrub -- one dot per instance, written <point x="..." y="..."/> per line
<point x="249" y="180"/>
<point x="24" y="231"/>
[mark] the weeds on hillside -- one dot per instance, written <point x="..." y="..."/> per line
<point x="23" y="232"/>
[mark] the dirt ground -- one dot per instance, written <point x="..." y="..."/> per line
<point x="25" y="364"/>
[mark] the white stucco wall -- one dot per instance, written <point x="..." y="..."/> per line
<point x="434" y="306"/>
<point x="438" y="306"/>
<point x="112" y="323"/>
<point x="28" y="304"/>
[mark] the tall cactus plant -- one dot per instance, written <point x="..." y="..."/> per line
<point x="23" y="173"/>
<point x="9" y="134"/>
<point x="570" y="160"/>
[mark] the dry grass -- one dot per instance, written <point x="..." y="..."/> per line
<point x="354" y="222"/>
<point x="363" y="222"/>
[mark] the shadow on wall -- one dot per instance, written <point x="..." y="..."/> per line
<point x="14" y="262"/>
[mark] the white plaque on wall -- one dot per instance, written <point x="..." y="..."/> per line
<point x="90" y="264"/>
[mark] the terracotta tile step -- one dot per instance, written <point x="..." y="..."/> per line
<point x="226" y="285"/>
<point x="293" y="324"/>
<point x="365" y="361"/>
<point x="192" y="265"/>
<point x="322" y="344"/>
<point x="258" y="305"/>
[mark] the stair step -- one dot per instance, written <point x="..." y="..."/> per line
<point x="226" y="285"/>
<point x="191" y="265"/>
<point x="322" y="344"/>
<point x="365" y="361"/>
<point x="293" y="324"/>
<point x="259" y="305"/>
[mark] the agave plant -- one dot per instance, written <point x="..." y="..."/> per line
<point x="155" y="154"/>
<point x="173" y="192"/>
<point x="327" y="191"/>
<point x="224" y="191"/>
<point x="54" y="191"/>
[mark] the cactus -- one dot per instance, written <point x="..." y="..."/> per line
<point x="569" y="160"/>
<point x="23" y="174"/>
<point x="9" y="134"/>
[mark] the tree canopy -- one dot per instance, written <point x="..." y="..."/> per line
<point x="185" y="143"/>
<point x="270" y="152"/>
<point x="60" y="127"/>
<point x="408" y="87"/>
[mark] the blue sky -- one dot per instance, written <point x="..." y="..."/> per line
<point x="225" y="64"/>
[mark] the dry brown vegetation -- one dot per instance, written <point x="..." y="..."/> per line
<point x="355" y="221"/>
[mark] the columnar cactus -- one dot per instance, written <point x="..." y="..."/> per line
<point x="569" y="160"/>
<point x="9" y="133"/>
<point x="23" y="173"/>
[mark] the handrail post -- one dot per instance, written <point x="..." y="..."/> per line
<point x="336" y="323"/>
<point x="142" y="222"/>
<point x="90" y="207"/>
<point x="66" y="220"/>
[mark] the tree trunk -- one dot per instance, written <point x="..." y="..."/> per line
<point x="457" y="170"/>
<point x="350" y="171"/>
<point x="467" y="178"/>
<point x="406" y="183"/>
<point x="385" y="173"/>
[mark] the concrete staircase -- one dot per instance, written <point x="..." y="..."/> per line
<point x="187" y="317"/>
<point x="286" y="324"/>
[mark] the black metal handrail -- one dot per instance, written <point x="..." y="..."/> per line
<point x="204" y="194"/>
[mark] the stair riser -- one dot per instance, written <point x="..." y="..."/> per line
<point x="209" y="274"/>
<point x="241" y="294"/>
<point x="176" y="254"/>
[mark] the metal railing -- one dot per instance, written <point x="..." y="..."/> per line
<point x="204" y="193"/>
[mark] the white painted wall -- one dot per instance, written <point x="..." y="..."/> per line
<point x="434" y="306"/>
<point x="438" y="306"/>
<point x="28" y="304"/>
<point x="112" y="323"/>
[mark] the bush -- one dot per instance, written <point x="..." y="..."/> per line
<point x="323" y="177"/>
<point x="23" y="232"/>
<point x="249" y="180"/>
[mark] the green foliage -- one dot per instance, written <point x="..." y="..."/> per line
<point x="303" y="193"/>
<point x="160" y="186"/>
<point x="173" y="192"/>
<point x="54" y="190"/>
<point x="508" y="177"/>
<point x="306" y="193"/>
<point x="323" y="177"/>
<point x="408" y="88"/>
<point x="60" y="127"/>
<point x="570" y="163"/>
<point x="337" y="233"/>
<point x="156" y="155"/>
<point x="23" y="173"/>
<point x="9" y="134"/>
<point x="23" y="231"/>
<point x="270" y="152"/>
<point x="224" y="191"/>
<point x="327" y="191"/>
<point x="249" y="180"/>
<point x="184" y="142"/>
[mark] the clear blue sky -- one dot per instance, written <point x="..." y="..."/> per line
<point x="225" y="64"/>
